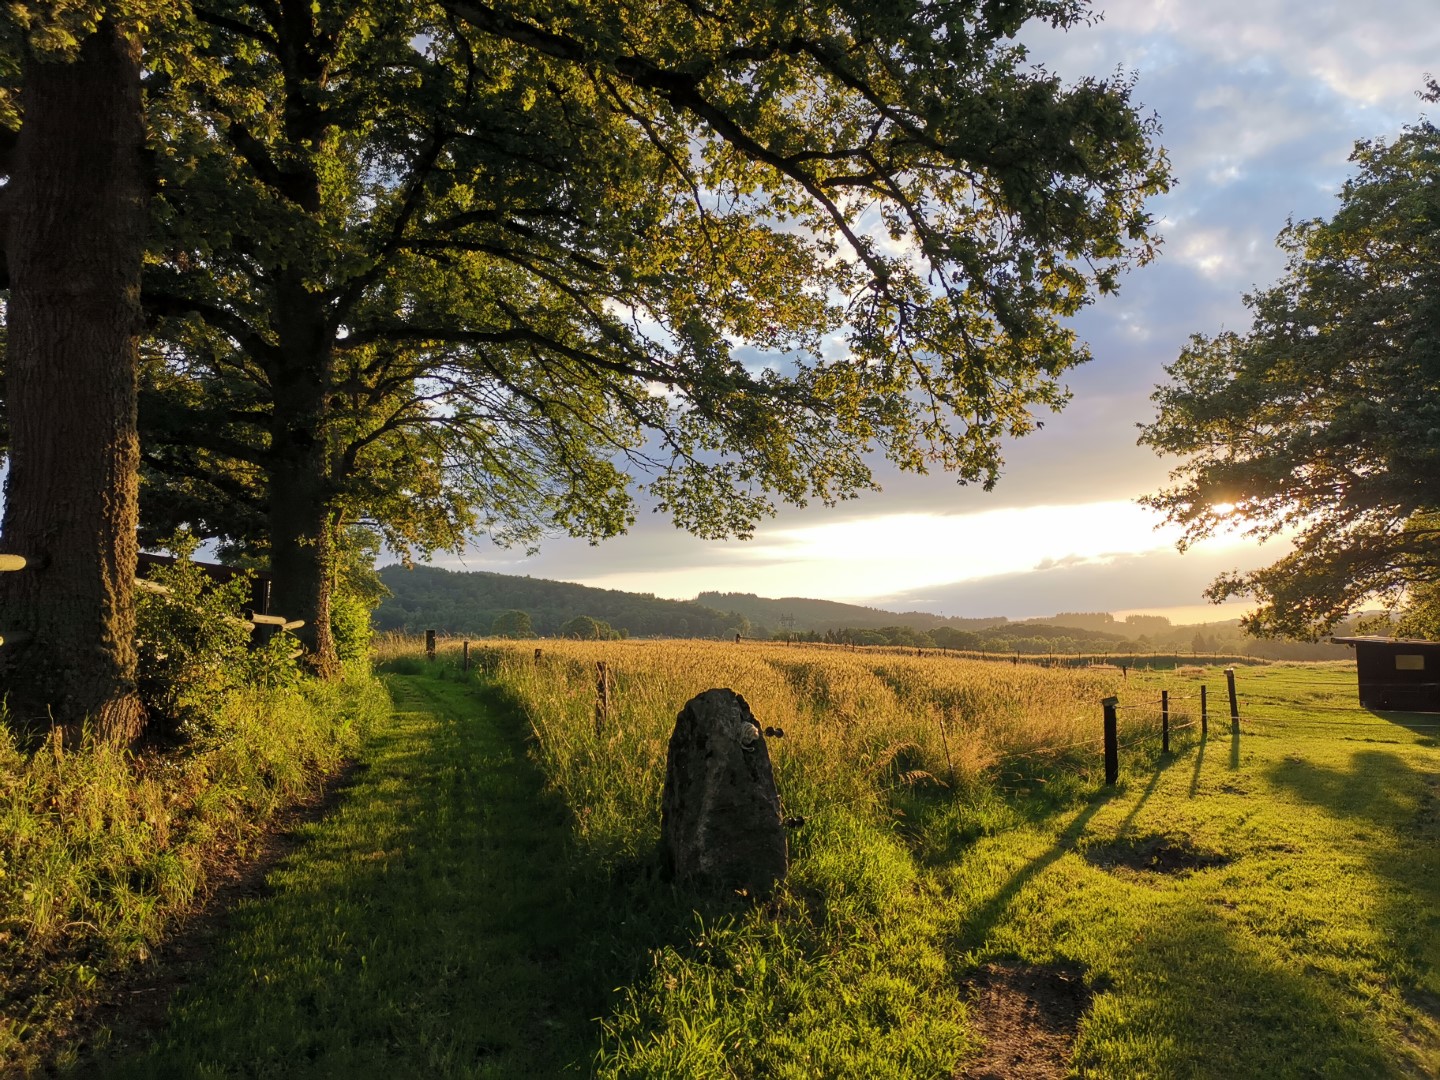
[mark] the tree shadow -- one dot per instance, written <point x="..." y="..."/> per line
<point x="442" y="921"/>
<point x="1426" y="725"/>
<point x="1397" y="806"/>
<point x="1375" y="785"/>
<point x="1216" y="983"/>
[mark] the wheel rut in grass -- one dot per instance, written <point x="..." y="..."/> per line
<point x="434" y="923"/>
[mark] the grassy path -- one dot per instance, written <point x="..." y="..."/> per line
<point x="446" y="921"/>
<point x="431" y="926"/>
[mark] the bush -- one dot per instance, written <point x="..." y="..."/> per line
<point x="194" y="650"/>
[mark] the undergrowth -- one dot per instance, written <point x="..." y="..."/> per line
<point x="101" y="848"/>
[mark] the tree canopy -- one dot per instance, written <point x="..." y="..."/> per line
<point x="1323" y="421"/>
<point x="464" y="268"/>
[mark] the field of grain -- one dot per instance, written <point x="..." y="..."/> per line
<point x="858" y="725"/>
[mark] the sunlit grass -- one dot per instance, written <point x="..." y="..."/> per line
<point x="487" y="903"/>
<point x="100" y="850"/>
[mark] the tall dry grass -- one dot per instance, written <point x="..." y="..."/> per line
<point x="858" y="725"/>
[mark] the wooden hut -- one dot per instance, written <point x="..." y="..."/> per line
<point x="1397" y="673"/>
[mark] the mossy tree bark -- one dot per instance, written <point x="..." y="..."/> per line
<point x="74" y="242"/>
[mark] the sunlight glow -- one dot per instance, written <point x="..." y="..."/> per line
<point x="871" y="557"/>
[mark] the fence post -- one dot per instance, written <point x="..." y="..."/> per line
<point x="1164" y="721"/>
<point x="1204" y="714"/>
<point x="1112" y="741"/>
<point x="429" y="644"/>
<point x="1234" y="703"/>
<point x="602" y="696"/>
<point x="465" y="656"/>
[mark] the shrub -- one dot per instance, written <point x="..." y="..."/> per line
<point x="194" y="649"/>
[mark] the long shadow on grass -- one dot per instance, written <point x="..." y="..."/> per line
<point x="1194" y="983"/>
<point x="980" y="923"/>
<point x="440" y="923"/>
<point x="1397" y="808"/>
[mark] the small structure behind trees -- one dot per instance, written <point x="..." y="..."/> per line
<point x="1397" y="673"/>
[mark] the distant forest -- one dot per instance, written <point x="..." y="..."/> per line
<point x="480" y="604"/>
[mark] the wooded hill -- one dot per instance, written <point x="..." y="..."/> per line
<point x="468" y="603"/>
<point x="801" y="614"/>
<point x="429" y="598"/>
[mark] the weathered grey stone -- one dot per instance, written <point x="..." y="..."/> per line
<point x="720" y="822"/>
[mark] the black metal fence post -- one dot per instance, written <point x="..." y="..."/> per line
<point x="1112" y="741"/>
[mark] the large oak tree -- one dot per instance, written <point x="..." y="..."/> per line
<point x="493" y="261"/>
<point x="1323" y="421"/>
<point x="74" y="231"/>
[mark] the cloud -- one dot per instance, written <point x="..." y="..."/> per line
<point x="1147" y="581"/>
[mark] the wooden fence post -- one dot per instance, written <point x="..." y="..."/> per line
<point x="1234" y="702"/>
<point x="429" y="644"/>
<point x="465" y="656"/>
<point x="1164" y="721"/>
<point x="602" y="696"/>
<point x="1204" y="713"/>
<point x="1112" y="741"/>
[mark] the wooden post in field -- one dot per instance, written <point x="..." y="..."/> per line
<point x="537" y="656"/>
<point x="429" y="644"/>
<point x="602" y="696"/>
<point x="1164" y="721"/>
<point x="1112" y="741"/>
<point x="1234" y="702"/>
<point x="1204" y="713"/>
<point x="465" y="656"/>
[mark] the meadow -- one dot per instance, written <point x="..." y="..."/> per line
<point x="485" y="900"/>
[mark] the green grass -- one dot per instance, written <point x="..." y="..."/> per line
<point x="101" y="850"/>
<point x="456" y="917"/>
<point x="1314" y="952"/>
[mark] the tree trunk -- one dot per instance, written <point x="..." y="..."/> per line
<point x="302" y="560"/>
<point x="75" y="242"/>
<point x="302" y="517"/>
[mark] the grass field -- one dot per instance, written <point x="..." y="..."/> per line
<point x="484" y="902"/>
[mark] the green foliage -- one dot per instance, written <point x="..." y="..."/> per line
<point x="1323" y="421"/>
<point x="194" y="651"/>
<point x="358" y="592"/>
<point x="1420" y="617"/>
<point x="512" y="624"/>
<point x="584" y="628"/>
<point x="548" y="254"/>
<point x="101" y="851"/>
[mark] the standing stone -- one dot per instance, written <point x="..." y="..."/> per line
<point x="720" y="822"/>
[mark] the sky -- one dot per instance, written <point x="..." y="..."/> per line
<point x="1261" y="102"/>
